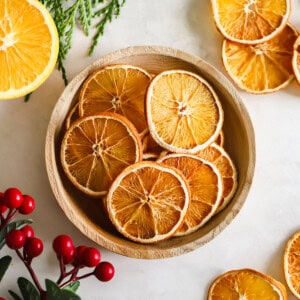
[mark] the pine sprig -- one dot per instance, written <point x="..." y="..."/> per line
<point x="81" y="13"/>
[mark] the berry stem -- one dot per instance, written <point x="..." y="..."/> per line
<point x="84" y="276"/>
<point x="11" y="214"/>
<point x="62" y="271"/>
<point x="27" y="263"/>
<point x="2" y="221"/>
<point x="74" y="277"/>
<point x="5" y="220"/>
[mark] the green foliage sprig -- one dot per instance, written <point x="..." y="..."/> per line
<point x="87" y="14"/>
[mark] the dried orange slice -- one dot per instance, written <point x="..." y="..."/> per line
<point x="261" y="68"/>
<point x="246" y="284"/>
<point x="183" y="111"/>
<point x="291" y="263"/>
<point x="220" y="139"/>
<point x="150" y="146"/>
<point x="116" y="88"/>
<point x="206" y="188"/>
<point x="95" y="149"/>
<point x="221" y="159"/>
<point x="28" y="47"/>
<point x="250" y="21"/>
<point x="296" y="59"/>
<point x="147" y="202"/>
<point x="72" y="115"/>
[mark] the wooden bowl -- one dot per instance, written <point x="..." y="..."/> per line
<point x="87" y="214"/>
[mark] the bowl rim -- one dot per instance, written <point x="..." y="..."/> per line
<point x="60" y="194"/>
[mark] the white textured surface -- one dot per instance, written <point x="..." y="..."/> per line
<point x="256" y="237"/>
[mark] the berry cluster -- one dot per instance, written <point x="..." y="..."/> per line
<point x="13" y="201"/>
<point x="22" y="239"/>
<point x="79" y="257"/>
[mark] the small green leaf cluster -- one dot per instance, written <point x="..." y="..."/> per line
<point x="53" y="292"/>
<point x="87" y="14"/>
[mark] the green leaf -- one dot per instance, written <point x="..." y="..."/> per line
<point x="12" y="225"/>
<point x="73" y="286"/>
<point x="14" y="295"/>
<point x="87" y="14"/>
<point x="55" y="293"/>
<point x="28" y="290"/>
<point x="4" y="264"/>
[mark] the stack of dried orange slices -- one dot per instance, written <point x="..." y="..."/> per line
<point x="259" y="52"/>
<point x="152" y="147"/>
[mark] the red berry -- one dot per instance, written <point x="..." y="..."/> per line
<point x="63" y="245"/>
<point x="15" y="239"/>
<point x="3" y="208"/>
<point x="27" y="205"/>
<point x="78" y="260"/>
<point x="33" y="247"/>
<point x="91" y="257"/>
<point x="1" y="298"/>
<point x="104" y="271"/>
<point x="28" y="231"/>
<point x="13" y="198"/>
<point x="69" y="258"/>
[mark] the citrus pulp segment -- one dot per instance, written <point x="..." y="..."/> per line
<point x="291" y="263"/>
<point x="296" y="59"/>
<point x="116" y="88"/>
<point x="148" y="201"/>
<point x="250" y="21"/>
<point x="261" y="68"/>
<point x="183" y="111"/>
<point x="246" y="284"/>
<point x="95" y="149"/>
<point x="28" y="47"/>
<point x="206" y="188"/>
<point x="221" y="159"/>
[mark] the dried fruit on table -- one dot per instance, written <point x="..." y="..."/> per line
<point x="261" y="68"/>
<point x="291" y="262"/>
<point x="28" y="48"/>
<point x="183" y="112"/>
<point x="221" y="159"/>
<point x="220" y="139"/>
<point x="296" y="59"/>
<point x="72" y="116"/>
<point x="250" y="21"/>
<point x="96" y="149"/>
<point x="116" y="88"/>
<point x="246" y="284"/>
<point x="148" y="201"/>
<point x="206" y="188"/>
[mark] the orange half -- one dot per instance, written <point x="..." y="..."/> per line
<point x="28" y="47"/>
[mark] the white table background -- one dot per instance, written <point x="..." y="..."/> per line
<point x="254" y="239"/>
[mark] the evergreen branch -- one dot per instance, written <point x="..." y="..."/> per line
<point x="80" y="13"/>
<point x="107" y="13"/>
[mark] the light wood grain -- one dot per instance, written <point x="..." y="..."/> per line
<point x="87" y="213"/>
